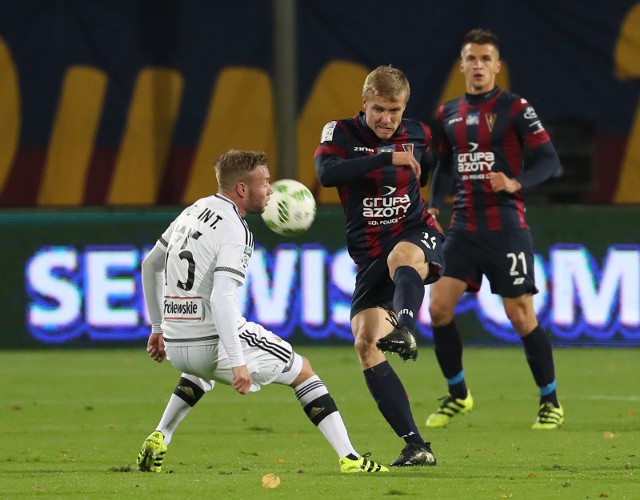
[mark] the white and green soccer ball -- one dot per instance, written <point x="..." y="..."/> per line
<point x="291" y="209"/>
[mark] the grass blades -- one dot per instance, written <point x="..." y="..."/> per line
<point x="72" y="422"/>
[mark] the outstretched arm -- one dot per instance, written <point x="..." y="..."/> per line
<point x="544" y="164"/>
<point x="226" y="316"/>
<point x="441" y="185"/>
<point x="152" y="276"/>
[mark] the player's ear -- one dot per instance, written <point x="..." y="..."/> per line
<point x="498" y="66"/>
<point x="241" y="189"/>
<point x="364" y="103"/>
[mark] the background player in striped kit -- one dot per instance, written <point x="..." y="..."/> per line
<point x="484" y="134"/>
<point x="378" y="161"/>
<point x="189" y="280"/>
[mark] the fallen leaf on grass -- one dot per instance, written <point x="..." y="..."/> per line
<point x="608" y="435"/>
<point x="270" y="481"/>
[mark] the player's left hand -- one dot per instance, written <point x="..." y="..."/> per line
<point x="155" y="347"/>
<point x="500" y="182"/>
<point x="241" y="379"/>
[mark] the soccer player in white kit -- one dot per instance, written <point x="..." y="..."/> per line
<point x="189" y="281"/>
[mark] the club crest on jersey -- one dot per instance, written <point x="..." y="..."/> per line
<point x="491" y="120"/>
<point x="473" y="118"/>
<point x="408" y="148"/>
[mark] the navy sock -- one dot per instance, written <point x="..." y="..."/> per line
<point x="408" y="296"/>
<point x="390" y="396"/>
<point x="537" y="349"/>
<point x="448" y="348"/>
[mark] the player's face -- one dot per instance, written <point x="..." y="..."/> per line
<point x="383" y="115"/>
<point x="258" y="190"/>
<point x="479" y="64"/>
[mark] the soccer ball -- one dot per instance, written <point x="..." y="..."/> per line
<point x="291" y="208"/>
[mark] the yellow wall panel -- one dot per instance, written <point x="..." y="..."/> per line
<point x="147" y="140"/>
<point x="627" y="55"/>
<point x="627" y="59"/>
<point x="337" y="94"/>
<point x="9" y="112"/>
<point x="73" y="137"/>
<point x="240" y="116"/>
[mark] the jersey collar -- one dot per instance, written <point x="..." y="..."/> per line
<point x="476" y="99"/>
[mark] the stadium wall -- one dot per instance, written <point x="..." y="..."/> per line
<point x="89" y="118"/>
<point x="72" y="279"/>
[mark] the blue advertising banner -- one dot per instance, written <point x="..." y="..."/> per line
<point x="75" y="279"/>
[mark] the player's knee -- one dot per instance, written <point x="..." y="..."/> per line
<point x="440" y="313"/>
<point x="305" y="373"/>
<point x="520" y="320"/>
<point x="364" y="345"/>
<point x="394" y="260"/>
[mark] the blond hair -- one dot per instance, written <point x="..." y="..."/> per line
<point x="234" y="166"/>
<point x="387" y="82"/>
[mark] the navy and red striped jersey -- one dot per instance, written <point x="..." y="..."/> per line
<point x="380" y="201"/>
<point x="486" y="133"/>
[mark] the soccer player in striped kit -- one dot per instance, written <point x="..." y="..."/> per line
<point x="481" y="151"/>
<point x="189" y="281"/>
<point x="378" y="161"/>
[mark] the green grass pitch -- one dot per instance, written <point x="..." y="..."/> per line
<point x="72" y="421"/>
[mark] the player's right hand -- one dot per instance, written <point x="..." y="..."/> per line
<point x="241" y="379"/>
<point x="406" y="159"/>
<point x="155" y="347"/>
<point x="434" y="214"/>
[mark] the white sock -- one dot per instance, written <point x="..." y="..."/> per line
<point x="315" y="399"/>
<point x="177" y="408"/>
<point x="174" y="413"/>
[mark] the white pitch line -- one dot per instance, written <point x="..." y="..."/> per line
<point x="599" y="397"/>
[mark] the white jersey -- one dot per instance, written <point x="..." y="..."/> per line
<point x="208" y="239"/>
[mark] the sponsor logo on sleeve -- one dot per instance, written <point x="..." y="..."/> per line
<point x="246" y="257"/>
<point x="530" y="113"/>
<point x="327" y="132"/>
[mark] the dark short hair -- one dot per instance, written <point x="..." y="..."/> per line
<point x="481" y="37"/>
<point x="234" y="166"/>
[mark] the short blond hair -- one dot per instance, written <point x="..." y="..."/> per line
<point x="387" y="82"/>
<point x="234" y="166"/>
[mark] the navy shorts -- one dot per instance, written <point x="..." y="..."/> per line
<point x="374" y="287"/>
<point x="505" y="257"/>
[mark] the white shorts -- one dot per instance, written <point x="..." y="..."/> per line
<point x="269" y="358"/>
